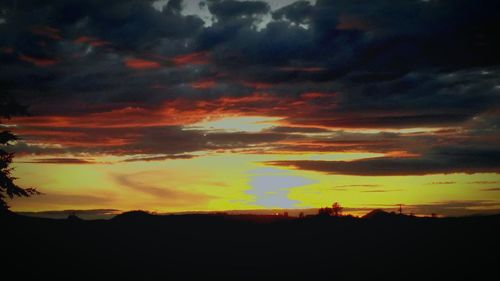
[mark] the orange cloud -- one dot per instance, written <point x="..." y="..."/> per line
<point x="182" y="111"/>
<point x="141" y="64"/>
<point x="122" y="125"/>
<point x="203" y="84"/>
<point x="315" y="95"/>
<point x="193" y="58"/>
<point x="257" y="85"/>
<point x="170" y="113"/>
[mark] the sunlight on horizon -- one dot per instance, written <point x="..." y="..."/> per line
<point x="225" y="182"/>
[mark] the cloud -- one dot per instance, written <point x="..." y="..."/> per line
<point x="56" y="200"/>
<point x="230" y="9"/>
<point x="61" y="161"/>
<point x="191" y="58"/>
<point x="141" y="64"/>
<point x="491" y="189"/>
<point x="160" y="158"/>
<point x="42" y="62"/>
<point x="441" y="161"/>
<point x="285" y="129"/>
<point x="299" y="12"/>
<point x="442" y="182"/>
<point x="381" y="190"/>
<point x="166" y="195"/>
<point x="132" y="76"/>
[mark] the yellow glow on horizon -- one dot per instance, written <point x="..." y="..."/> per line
<point x="224" y="181"/>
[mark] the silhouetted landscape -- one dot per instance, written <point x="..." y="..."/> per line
<point x="141" y="246"/>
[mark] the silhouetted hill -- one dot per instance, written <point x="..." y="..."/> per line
<point x="134" y="216"/>
<point x="141" y="246"/>
<point x="381" y="214"/>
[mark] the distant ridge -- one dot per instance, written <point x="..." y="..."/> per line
<point x="137" y="215"/>
<point x="91" y="214"/>
<point x="98" y="214"/>
<point x="378" y="213"/>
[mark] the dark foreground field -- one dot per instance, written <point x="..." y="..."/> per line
<point x="203" y="247"/>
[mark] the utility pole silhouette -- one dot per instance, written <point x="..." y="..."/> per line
<point x="400" y="208"/>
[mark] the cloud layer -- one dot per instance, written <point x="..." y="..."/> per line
<point x="415" y="80"/>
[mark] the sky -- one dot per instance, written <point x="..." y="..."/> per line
<point x="174" y="106"/>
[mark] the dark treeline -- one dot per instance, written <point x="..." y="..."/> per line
<point x="141" y="246"/>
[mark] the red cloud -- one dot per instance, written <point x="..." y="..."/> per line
<point x="7" y="50"/>
<point x="141" y="64"/>
<point x="91" y="41"/>
<point x="47" y="31"/>
<point x="315" y="95"/>
<point x="193" y="58"/>
<point x="203" y="84"/>
<point x="257" y="85"/>
<point x="68" y="130"/>
<point x="82" y="39"/>
<point x="38" y="61"/>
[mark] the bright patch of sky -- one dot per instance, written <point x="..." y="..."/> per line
<point x="271" y="187"/>
<point x="236" y="124"/>
<point x="199" y="8"/>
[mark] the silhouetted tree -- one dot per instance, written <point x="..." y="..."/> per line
<point x="73" y="217"/>
<point x="9" y="108"/>
<point x="337" y="209"/>
<point x="325" y="211"/>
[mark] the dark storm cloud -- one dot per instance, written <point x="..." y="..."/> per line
<point x="173" y="6"/>
<point x="375" y="36"/>
<point x="160" y="142"/>
<point x="298" y="12"/>
<point x="334" y="45"/>
<point x="132" y="23"/>
<point x="331" y="65"/>
<point x="230" y="9"/>
<point x="438" y="161"/>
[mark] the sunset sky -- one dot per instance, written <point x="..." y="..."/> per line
<point x="238" y="105"/>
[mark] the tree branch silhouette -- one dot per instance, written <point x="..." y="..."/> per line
<point x="8" y="188"/>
